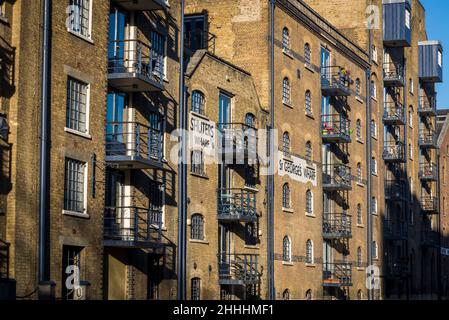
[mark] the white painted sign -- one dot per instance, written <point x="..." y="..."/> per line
<point x="297" y="169"/>
<point x="445" y="251"/>
<point x="202" y="134"/>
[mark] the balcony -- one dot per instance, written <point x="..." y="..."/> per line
<point x="337" y="274"/>
<point x="238" y="269"/>
<point x="397" y="32"/>
<point x="393" y="113"/>
<point x="430" y="61"/>
<point x="428" y="139"/>
<point x="335" y="128"/>
<point x="396" y="269"/>
<point x="394" y="152"/>
<point x="132" y="226"/>
<point x="336" y="177"/>
<point x="237" y="143"/>
<point x="236" y="205"/>
<point x="337" y="226"/>
<point x="430" y="238"/>
<point x="134" y="66"/>
<point x="395" y="230"/>
<point x="131" y="145"/>
<point x="142" y="5"/>
<point x="428" y="172"/>
<point x="393" y="74"/>
<point x="427" y="106"/>
<point x="429" y="204"/>
<point x="395" y="190"/>
<point x="335" y="81"/>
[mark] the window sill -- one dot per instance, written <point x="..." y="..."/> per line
<point x="200" y="115"/>
<point x="288" y="53"/>
<point x="359" y="99"/>
<point x="374" y="99"/>
<point x="250" y="189"/>
<point x="4" y="20"/>
<point x="360" y="141"/>
<point x="78" y="133"/>
<point x="310" y="265"/>
<point x="288" y="210"/>
<point x="78" y="35"/>
<point x="374" y="137"/>
<point x="285" y="263"/>
<point x="199" y="175"/>
<point x="287" y="104"/>
<point x="198" y="241"/>
<point x="310" y="115"/>
<point x="360" y="184"/>
<point x="374" y="174"/>
<point x="360" y="269"/>
<point x="310" y="215"/>
<point x="75" y="214"/>
<point x="309" y="67"/>
<point x="361" y="226"/>
<point x="253" y="247"/>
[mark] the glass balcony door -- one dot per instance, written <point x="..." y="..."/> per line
<point x="118" y="27"/>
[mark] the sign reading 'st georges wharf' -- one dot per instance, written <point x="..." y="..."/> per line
<point x="297" y="169"/>
<point x="202" y="134"/>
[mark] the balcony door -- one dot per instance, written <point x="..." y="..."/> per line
<point x="195" y="36"/>
<point x="224" y="119"/>
<point x="224" y="238"/>
<point x="325" y="61"/>
<point x="117" y="49"/>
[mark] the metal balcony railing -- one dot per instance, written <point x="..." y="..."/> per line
<point x="428" y="171"/>
<point x="4" y="260"/>
<point x="132" y="226"/>
<point x="395" y="230"/>
<point x="394" y="152"/>
<point x="429" y="204"/>
<point x="237" y="142"/>
<point x="336" y="177"/>
<point x="133" y="145"/>
<point x="238" y="269"/>
<point x="142" y="5"/>
<point x="427" y="105"/>
<point x="237" y="205"/>
<point x="394" y="113"/>
<point x="393" y="74"/>
<point x="337" y="274"/>
<point x="134" y="66"/>
<point x="335" y="81"/>
<point x="199" y="40"/>
<point x="395" y="190"/>
<point x="428" y="139"/>
<point x="430" y="238"/>
<point x="336" y="226"/>
<point x="335" y="128"/>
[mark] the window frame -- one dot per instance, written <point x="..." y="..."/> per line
<point x="309" y="252"/>
<point x="202" y="102"/>
<point x="309" y="202"/>
<point x="307" y="55"/>
<point x="408" y="18"/>
<point x="286" y="249"/>
<point x="70" y="24"/>
<point x="308" y="103"/>
<point x="286" y="196"/>
<point x="87" y="86"/>
<point x="195" y="289"/>
<point x="286" y="40"/>
<point x="197" y="231"/>
<point x="286" y="91"/>
<point x="195" y="168"/>
<point x="68" y="211"/>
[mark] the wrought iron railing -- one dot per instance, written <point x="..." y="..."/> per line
<point x="395" y="190"/>
<point x="393" y="112"/>
<point x="429" y="203"/>
<point x="394" y="151"/>
<point x="337" y="274"/>
<point x="335" y="126"/>
<point x="336" y="176"/>
<point x="393" y="72"/>
<point x="427" y="104"/>
<point x="427" y="138"/>
<point x="238" y="204"/>
<point x="335" y="79"/>
<point x="428" y="171"/>
<point x="238" y="140"/>
<point x="337" y="225"/>
<point x="238" y="268"/>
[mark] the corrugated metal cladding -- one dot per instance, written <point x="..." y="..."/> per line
<point x="430" y="56"/>
<point x="396" y="33"/>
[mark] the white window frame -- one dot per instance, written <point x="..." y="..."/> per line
<point x="375" y="55"/>
<point x="374" y="206"/>
<point x="76" y="33"/>
<point x="408" y="17"/>
<point x="85" y="189"/>
<point x="440" y="58"/>
<point x="312" y="258"/>
<point x="309" y="191"/>
<point x="374" y="166"/>
<point x="77" y="132"/>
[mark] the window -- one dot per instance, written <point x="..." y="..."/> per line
<point x="250" y="176"/>
<point x="440" y="58"/>
<point x="197" y="227"/>
<point x="360" y="294"/>
<point x="358" y="89"/>
<point x="309" y="202"/>
<point x="375" y="250"/>
<point x="374" y="205"/>
<point x="374" y="53"/>
<point x="286" y="40"/>
<point x="286" y="250"/>
<point x="286" y="195"/>
<point x="77" y="105"/>
<point x="410" y="150"/>
<point x="2" y="9"/>
<point x="358" y="129"/>
<point x="407" y="18"/>
<point x="308" y="102"/>
<point x="250" y="120"/>
<point x="359" y="257"/>
<point x="286" y="91"/>
<point x="359" y="173"/>
<point x="307" y="55"/>
<point x="71" y="264"/>
<point x="309" y="294"/>
<point x="309" y="154"/>
<point x="196" y="289"/>
<point x="286" y="295"/>
<point x="75" y="186"/>
<point x="373" y="166"/>
<point x="359" y="214"/>
<point x="410" y="85"/>
<point x="309" y="251"/>
<point x="198" y="102"/>
<point x="197" y="165"/>
<point x="158" y="53"/>
<point x="373" y="90"/>
<point x="373" y="129"/>
<point x="410" y="117"/>
<point x="286" y="144"/>
<point x="80" y="17"/>
<point x="250" y="234"/>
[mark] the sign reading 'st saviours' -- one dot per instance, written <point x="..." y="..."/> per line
<point x="202" y="134"/>
<point x="297" y="169"/>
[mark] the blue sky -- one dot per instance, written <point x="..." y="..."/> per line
<point x="437" y="20"/>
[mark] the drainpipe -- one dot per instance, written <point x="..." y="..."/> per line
<point x="46" y="288"/>
<point x="182" y="177"/>
<point x="439" y="273"/>
<point x="270" y="245"/>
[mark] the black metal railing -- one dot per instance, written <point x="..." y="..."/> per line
<point x="337" y="176"/>
<point x="237" y="204"/>
<point x="135" y="57"/>
<point x="198" y="40"/>
<point x="237" y="141"/>
<point x="335" y="81"/>
<point x="427" y="138"/>
<point x="4" y="260"/>
<point x="394" y="151"/>
<point x="238" y="269"/>
<point x="427" y="105"/>
<point x="133" y="140"/>
<point x="393" y="112"/>
<point x="429" y="204"/>
<point x="132" y="224"/>
<point x="335" y="127"/>
<point x="337" y="274"/>
<point x="395" y="229"/>
<point x="393" y="72"/>
<point x="337" y="225"/>
<point x="395" y="190"/>
<point x="428" y="171"/>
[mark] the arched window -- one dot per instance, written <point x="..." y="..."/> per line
<point x="309" y="154"/>
<point x="358" y="129"/>
<point x="411" y="86"/>
<point x="309" y="251"/>
<point x="286" y="250"/>
<point x="250" y="234"/>
<point x="286" y="91"/>
<point x="358" y="89"/>
<point x="286" y="195"/>
<point x="359" y="214"/>
<point x="359" y="257"/>
<point x="359" y="173"/>
<point x="197" y="162"/>
<point x="250" y="120"/>
<point x="286" y="40"/>
<point x="373" y="166"/>
<point x="374" y="205"/>
<point x="373" y="129"/>
<point x="410" y="116"/>
<point x="198" y="102"/>
<point x="374" y="53"/>
<point x="308" y="102"/>
<point x="309" y="294"/>
<point x="375" y="250"/>
<point x="197" y="227"/>
<point x="374" y="88"/>
<point x="410" y="150"/>
<point x="307" y="55"/>
<point x="286" y="144"/>
<point x="286" y="295"/>
<point x="309" y="202"/>
<point x="195" y="289"/>
<point x="360" y="294"/>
